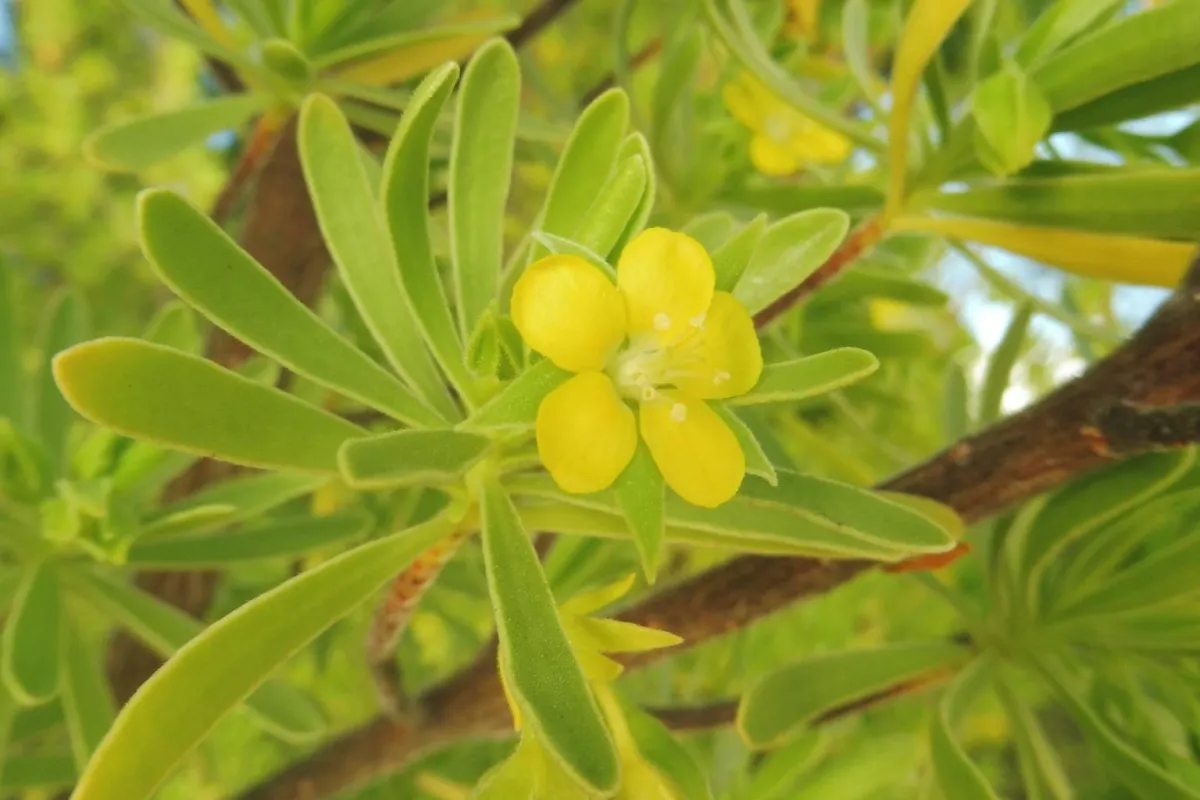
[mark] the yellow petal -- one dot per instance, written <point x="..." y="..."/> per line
<point x="585" y="434"/>
<point x="771" y="158"/>
<point x="667" y="279"/>
<point x="820" y="145"/>
<point x="569" y="311"/>
<point x="694" y="449"/>
<point x="587" y="602"/>
<point x="742" y="103"/>
<point x="723" y="359"/>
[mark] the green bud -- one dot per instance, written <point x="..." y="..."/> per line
<point x="1011" y="117"/>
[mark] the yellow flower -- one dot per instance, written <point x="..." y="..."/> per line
<point x="784" y="140"/>
<point x="803" y="21"/>
<point x="661" y="338"/>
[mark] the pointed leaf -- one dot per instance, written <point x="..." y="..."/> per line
<point x="245" y="496"/>
<point x="757" y="462"/>
<point x="29" y="663"/>
<point x="64" y="323"/>
<point x="87" y="701"/>
<point x="207" y="269"/>
<point x="614" y="207"/>
<point x="561" y="246"/>
<point x="140" y="142"/>
<point x="151" y="392"/>
<point x="781" y="769"/>
<point x="355" y="233"/>
<point x="174" y="710"/>
<point x="956" y="774"/>
<point x="640" y="496"/>
<point x="1001" y="363"/>
<point x="267" y="539"/>
<point x="544" y="676"/>
<point x="789" y="381"/>
<point x="174" y="326"/>
<point x="480" y="173"/>
<point x="635" y="144"/>
<point x="660" y="747"/>
<point x="396" y="57"/>
<point x="517" y="403"/>
<point x="731" y="259"/>
<point x="790" y="251"/>
<point x="410" y="458"/>
<point x="405" y="196"/>
<point x="1041" y="771"/>
<point x="789" y="700"/>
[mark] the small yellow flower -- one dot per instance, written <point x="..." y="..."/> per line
<point x="803" y="20"/>
<point x="661" y="338"/>
<point x="784" y="140"/>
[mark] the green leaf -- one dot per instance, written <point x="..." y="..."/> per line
<point x="410" y="458"/>
<point x="731" y="258"/>
<point x="615" y="206"/>
<point x="1041" y="771"/>
<point x="1001" y="363"/>
<point x="1059" y="25"/>
<point x="400" y="54"/>
<point x="779" y="771"/>
<point x="790" y="251"/>
<point x="87" y="701"/>
<point x="1162" y="204"/>
<point x="789" y="381"/>
<point x="167" y="18"/>
<point x="711" y="229"/>
<point x="12" y="396"/>
<point x="29" y="663"/>
<point x="405" y="195"/>
<point x="856" y="46"/>
<point x="640" y="496"/>
<point x="789" y="700"/>
<point x="1011" y="116"/>
<point x="174" y="325"/>
<point x="662" y="749"/>
<point x="956" y="774"/>
<point x="143" y="141"/>
<point x="154" y="393"/>
<point x="586" y="162"/>
<point x="544" y="677"/>
<point x="64" y="323"/>
<point x="560" y="246"/>
<point x="38" y="771"/>
<point x="244" y="497"/>
<point x="1135" y="48"/>
<point x="181" y="702"/>
<point x="1135" y="771"/>
<point x="671" y="110"/>
<point x="271" y="538"/>
<point x="635" y="144"/>
<point x="757" y="462"/>
<point x="276" y="706"/>
<point x="517" y="403"/>
<point x="480" y="173"/>
<point x="1163" y="93"/>
<point x="354" y="230"/>
<point x="207" y="269"/>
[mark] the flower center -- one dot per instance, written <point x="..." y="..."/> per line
<point x="777" y="128"/>
<point x="647" y="366"/>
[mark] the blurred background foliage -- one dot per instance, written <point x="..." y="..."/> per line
<point x="952" y="328"/>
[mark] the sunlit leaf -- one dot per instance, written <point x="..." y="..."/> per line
<point x="410" y="458"/>
<point x="640" y="496"/>
<point x="396" y="57"/>
<point x="790" y="251"/>
<point x="517" y="403"/>
<point x="1000" y="366"/>
<point x="731" y="259"/>
<point x="789" y="381"/>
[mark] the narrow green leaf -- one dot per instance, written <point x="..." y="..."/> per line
<point x="178" y="706"/>
<point x="140" y="142"/>
<point x="788" y="701"/>
<point x="354" y="230"/>
<point x="1059" y="25"/>
<point x="790" y="251"/>
<point x="781" y="769"/>
<point x="29" y="663"/>
<point x="1146" y="98"/>
<point x="410" y="458"/>
<point x="1041" y="771"/>
<point x="207" y="269"/>
<point x="405" y="196"/>
<point x="614" y="207"/>
<point x="1162" y="204"/>
<point x="174" y="325"/>
<point x="276" y="706"/>
<point x="38" y="771"/>
<point x="64" y="323"/>
<point x="731" y="258"/>
<point x="190" y="520"/>
<point x="516" y="405"/>
<point x="544" y="676"/>
<point x="711" y="229"/>
<point x="246" y="496"/>
<point x="671" y="109"/>
<point x="12" y="395"/>
<point x="560" y="246"/>
<point x="856" y="45"/>
<point x="480" y="172"/>
<point x="412" y="51"/>
<point x="757" y="462"/>
<point x="662" y="749"/>
<point x="1135" y="771"/>
<point x="585" y="164"/>
<point x="956" y="774"/>
<point x="169" y="19"/>
<point x="1001" y="363"/>
<point x="272" y="538"/>
<point x="87" y="702"/>
<point x="1011" y="116"/>
<point x="789" y="381"/>
<point x="640" y="496"/>
<point x="1135" y="48"/>
<point x="635" y="144"/>
<point x="150" y="392"/>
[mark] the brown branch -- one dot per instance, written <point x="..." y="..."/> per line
<point x="1031" y="452"/>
